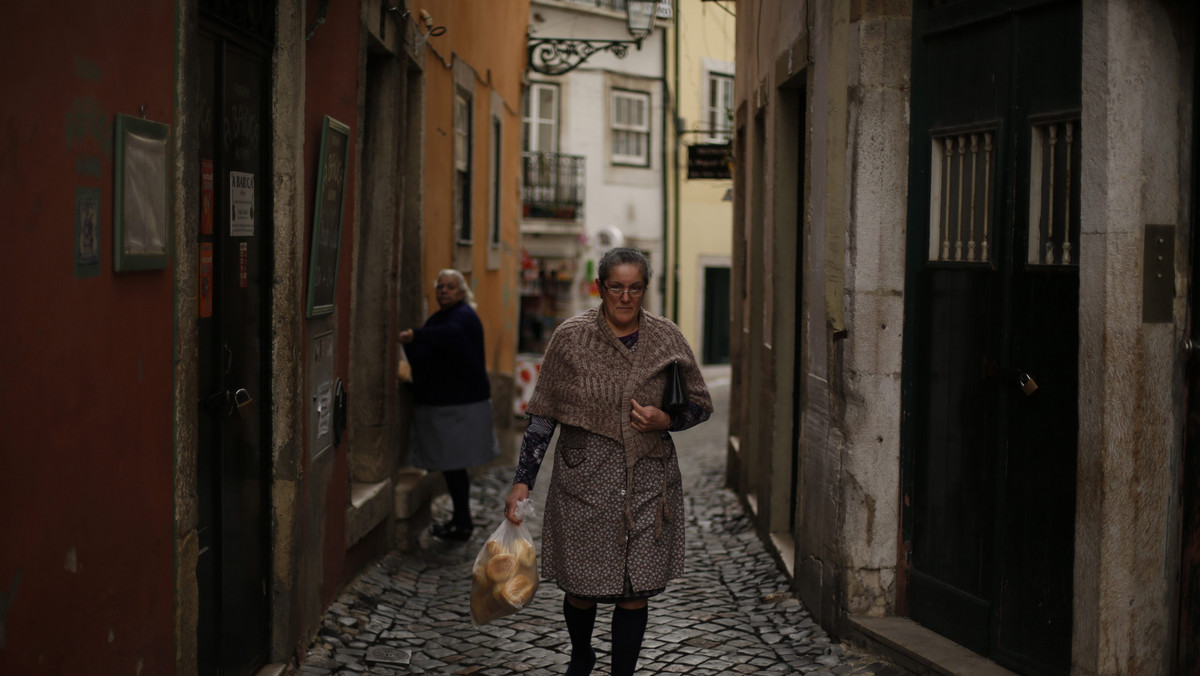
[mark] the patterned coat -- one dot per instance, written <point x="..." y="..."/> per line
<point x="615" y="506"/>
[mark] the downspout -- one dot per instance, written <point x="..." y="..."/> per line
<point x="674" y="166"/>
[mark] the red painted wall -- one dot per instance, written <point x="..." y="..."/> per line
<point x="86" y="457"/>
<point x="331" y="88"/>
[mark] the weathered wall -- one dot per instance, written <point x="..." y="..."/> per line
<point x="86" y="374"/>
<point x="1137" y="119"/>
<point x="852" y="75"/>
<point x="878" y="49"/>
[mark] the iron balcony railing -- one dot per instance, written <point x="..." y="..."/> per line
<point x="552" y="186"/>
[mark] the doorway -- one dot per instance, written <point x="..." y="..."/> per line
<point x="234" y="303"/>
<point x="717" y="320"/>
<point x="991" y="372"/>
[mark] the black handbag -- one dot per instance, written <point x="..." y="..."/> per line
<point x="675" y="396"/>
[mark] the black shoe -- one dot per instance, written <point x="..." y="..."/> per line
<point x="451" y="531"/>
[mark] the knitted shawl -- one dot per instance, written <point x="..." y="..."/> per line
<point x="588" y="378"/>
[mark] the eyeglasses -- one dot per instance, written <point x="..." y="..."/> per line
<point x="447" y="287"/>
<point x="618" y="291"/>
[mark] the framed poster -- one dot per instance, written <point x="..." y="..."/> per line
<point x="140" y="194"/>
<point x="327" y="217"/>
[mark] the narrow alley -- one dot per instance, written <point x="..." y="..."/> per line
<point x="731" y="613"/>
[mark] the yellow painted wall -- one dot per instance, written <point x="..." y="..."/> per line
<point x="705" y="219"/>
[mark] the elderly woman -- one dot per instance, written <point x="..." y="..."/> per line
<point x="613" y="527"/>
<point x="452" y="419"/>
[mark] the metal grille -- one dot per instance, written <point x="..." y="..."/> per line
<point x="552" y="185"/>
<point x="960" y="201"/>
<point x="1054" y="194"/>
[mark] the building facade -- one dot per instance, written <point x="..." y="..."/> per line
<point x="962" y="277"/>
<point x="594" y="156"/>
<point x="700" y="189"/>
<point x="234" y="207"/>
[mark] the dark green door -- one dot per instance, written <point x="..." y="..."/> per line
<point x="716" y="315"/>
<point x="232" y="200"/>
<point x="991" y="382"/>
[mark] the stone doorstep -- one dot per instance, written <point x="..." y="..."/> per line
<point x="918" y="649"/>
<point x="369" y="505"/>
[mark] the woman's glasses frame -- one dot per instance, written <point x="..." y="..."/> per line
<point x="618" y="291"/>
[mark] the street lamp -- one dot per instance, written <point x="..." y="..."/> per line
<point x="556" y="56"/>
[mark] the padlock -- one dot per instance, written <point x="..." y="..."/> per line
<point x="243" y="402"/>
<point x="1027" y="384"/>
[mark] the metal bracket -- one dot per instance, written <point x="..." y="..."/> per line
<point x="556" y="56"/>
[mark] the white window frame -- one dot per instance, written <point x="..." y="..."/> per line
<point x="496" y="154"/>
<point x="463" y="153"/>
<point x="531" y="118"/>
<point x="718" y="118"/>
<point x="623" y="130"/>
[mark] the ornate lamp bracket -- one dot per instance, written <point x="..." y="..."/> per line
<point x="556" y="56"/>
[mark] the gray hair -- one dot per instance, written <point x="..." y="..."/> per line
<point x="462" y="284"/>
<point x="624" y="256"/>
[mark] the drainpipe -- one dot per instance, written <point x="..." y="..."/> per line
<point x="674" y="149"/>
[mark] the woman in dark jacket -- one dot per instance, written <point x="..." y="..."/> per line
<point x="452" y="419"/>
<point x="613" y="528"/>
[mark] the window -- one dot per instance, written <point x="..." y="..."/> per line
<point x="539" y="113"/>
<point x="961" y="197"/>
<point x="494" y="184"/>
<point x="718" y="107"/>
<point x="462" y="165"/>
<point x="630" y="120"/>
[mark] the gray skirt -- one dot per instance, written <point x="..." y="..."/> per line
<point x="452" y="437"/>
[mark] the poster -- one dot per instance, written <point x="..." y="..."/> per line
<point x="243" y="264"/>
<point x="87" y="232"/>
<point x="241" y="204"/>
<point x="206" y="197"/>
<point x="206" y="279"/>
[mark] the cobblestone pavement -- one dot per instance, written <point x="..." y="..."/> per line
<point x="731" y="612"/>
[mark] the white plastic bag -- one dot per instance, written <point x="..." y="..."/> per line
<point x="504" y="576"/>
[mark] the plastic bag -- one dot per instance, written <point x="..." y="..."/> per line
<point x="504" y="576"/>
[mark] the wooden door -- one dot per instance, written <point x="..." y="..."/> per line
<point x="234" y="243"/>
<point x="717" y="316"/>
<point x="991" y="383"/>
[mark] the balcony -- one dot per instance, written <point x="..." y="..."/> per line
<point x="552" y="186"/>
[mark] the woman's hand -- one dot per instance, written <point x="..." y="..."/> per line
<point x="406" y="336"/>
<point x="648" y="418"/>
<point x="518" y="493"/>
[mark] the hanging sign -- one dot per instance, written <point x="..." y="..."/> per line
<point x="241" y="204"/>
<point x="708" y="160"/>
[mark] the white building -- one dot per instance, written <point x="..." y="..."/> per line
<point x="594" y="154"/>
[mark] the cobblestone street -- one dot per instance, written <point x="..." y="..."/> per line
<point x="731" y="612"/>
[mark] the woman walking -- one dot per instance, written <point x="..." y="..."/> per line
<point x="613" y="527"/>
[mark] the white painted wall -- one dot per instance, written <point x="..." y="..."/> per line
<point x="629" y="199"/>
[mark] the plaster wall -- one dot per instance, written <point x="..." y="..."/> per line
<point x="87" y="375"/>
<point x="1137" y="124"/>
<point x="848" y="336"/>
<point x="704" y="219"/>
<point x="482" y="52"/>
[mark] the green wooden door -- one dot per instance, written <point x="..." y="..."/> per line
<point x="991" y="383"/>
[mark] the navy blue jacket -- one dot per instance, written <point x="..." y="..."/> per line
<point x="447" y="357"/>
